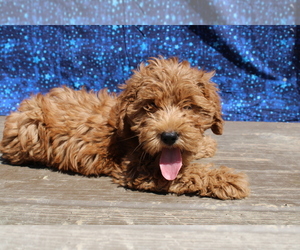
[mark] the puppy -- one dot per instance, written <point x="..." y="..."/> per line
<point x="145" y="138"/>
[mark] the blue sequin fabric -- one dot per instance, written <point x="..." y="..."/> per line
<point x="149" y="12"/>
<point x="257" y="67"/>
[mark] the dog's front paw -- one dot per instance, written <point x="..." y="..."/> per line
<point x="225" y="184"/>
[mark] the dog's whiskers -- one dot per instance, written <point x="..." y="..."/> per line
<point x="125" y="139"/>
<point x="137" y="147"/>
<point x="143" y="155"/>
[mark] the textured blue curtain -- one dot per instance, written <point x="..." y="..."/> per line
<point x="257" y="66"/>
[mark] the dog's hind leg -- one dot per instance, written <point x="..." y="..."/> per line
<point x="22" y="131"/>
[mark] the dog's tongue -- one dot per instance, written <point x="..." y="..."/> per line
<point x="170" y="163"/>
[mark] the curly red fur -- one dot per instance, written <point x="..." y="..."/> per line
<point x="121" y="136"/>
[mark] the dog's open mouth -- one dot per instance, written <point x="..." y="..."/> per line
<point x="170" y="163"/>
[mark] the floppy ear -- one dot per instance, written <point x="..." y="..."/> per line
<point x="126" y="97"/>
<point x="122" y="124"/>
<point x="217" y="126"/>
<point x="211" y="93"/>
<point x="120" y="112"/>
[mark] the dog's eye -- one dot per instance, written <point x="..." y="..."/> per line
<point x="150" y="106"/>
<point x="187" y="107"/>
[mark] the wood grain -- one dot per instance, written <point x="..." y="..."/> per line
<point x="150" y="237"/>
<point x="268" y="152"/>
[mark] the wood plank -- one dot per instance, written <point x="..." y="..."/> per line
<point x="150" y="237"/>
<point x="267" y="152"/>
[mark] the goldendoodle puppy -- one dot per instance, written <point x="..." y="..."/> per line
<point x="145" y="138"/>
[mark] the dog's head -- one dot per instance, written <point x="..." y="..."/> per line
<point x="169" y="105"/>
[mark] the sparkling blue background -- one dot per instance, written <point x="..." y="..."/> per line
<point x="257" y="66"/>
<point x="150" y="12"/>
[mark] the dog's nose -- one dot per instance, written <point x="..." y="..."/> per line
<point x="169" y="138"/>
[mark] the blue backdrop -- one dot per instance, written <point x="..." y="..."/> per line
<point x="257" y="66"/>
<point x="149" y="12"/>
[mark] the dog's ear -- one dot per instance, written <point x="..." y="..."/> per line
<point x="122" y="125"/>
<point x="120" y="112"/>
<point x="217" y="126"/>
<point x="211" y="93"/>
<point x="126" y="97"/>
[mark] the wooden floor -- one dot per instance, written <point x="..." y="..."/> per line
<point x="270" y="218"/>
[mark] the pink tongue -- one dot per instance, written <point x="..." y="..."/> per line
<point x="170" y="163"/>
